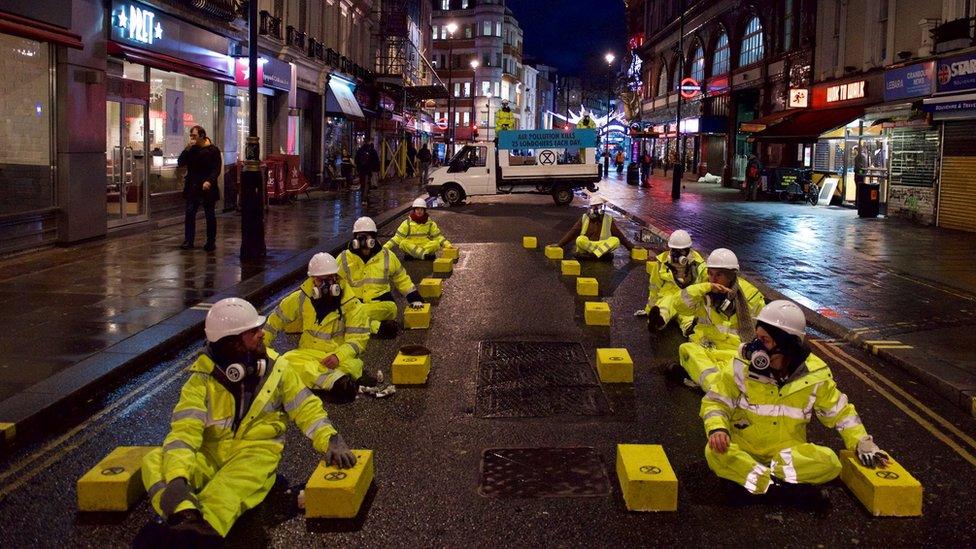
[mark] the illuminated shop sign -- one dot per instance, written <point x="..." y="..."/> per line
<point x="136" y="23"/>
<point x="844" y="92"/>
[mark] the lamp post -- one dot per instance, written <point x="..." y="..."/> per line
<point x="606" y="126"/>
<point x="449" y="137"/>
<point x="474" y="93"/>
<point x="677" y="171"/>
<point x="488" y="118"/>
<point x="252" y="182"/>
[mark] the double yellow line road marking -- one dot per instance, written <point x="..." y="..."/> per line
<point x="931" y="421"/>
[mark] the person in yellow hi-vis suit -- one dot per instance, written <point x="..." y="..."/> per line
<point x="595" y="240"/>
<point x="225" y="440"/>
<point x="369" y="269"/>
<point x="418" y="236"/>
<point x="586" y="122"/>
<point x="504" y="118"/>
<point x="673" y="270"/>
<point x="723" y="309"/>
<point x="334" y="330"/>
<point x="757" y="410"/>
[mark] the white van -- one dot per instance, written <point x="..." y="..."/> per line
<point x="553" y="162"/>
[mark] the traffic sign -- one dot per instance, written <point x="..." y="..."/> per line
<point x="442" y="123"/>
<point x="689" y="88"/>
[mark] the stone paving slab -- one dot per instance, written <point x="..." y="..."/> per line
<point x="865" y="280"/>
<point x="100" y="309"/>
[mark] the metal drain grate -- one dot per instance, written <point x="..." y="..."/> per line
<point x="536" y="379"/>
<point x="542" y="472"/>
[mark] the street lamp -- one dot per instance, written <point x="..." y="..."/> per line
<point x="488" y="97"/>
<point x="449" y="138"/>
<point x="474" y="93"/>
<point x="606" y="126"/>
<point x="252" y="182"/>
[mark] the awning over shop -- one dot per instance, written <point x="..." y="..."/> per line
<point x="808" y="125"/>
<point x="167" y="63"/>
<point x="340" y="100"/>
<point x="764" y="122"/>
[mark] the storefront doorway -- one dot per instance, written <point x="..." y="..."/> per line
<point x="126" y="161"/>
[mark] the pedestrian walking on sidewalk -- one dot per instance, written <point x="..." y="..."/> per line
<point x="202" y="163"/>
<point x="424" y="157"/>
<point x="753" y="175"/>
<point x="645" y="165"/>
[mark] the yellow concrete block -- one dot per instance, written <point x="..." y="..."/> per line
<point x="8" y="431"/>
<point x="651" y="266"/>
<point x="451" y="253"/>
<point x="443" y="265"/>
<point x="411" y="369"/>
<point x="115" y="483"/>
<point x="596" y="313"/>
<point x="888" y="492"/>
<point x="529" y="242"/>
<point x="430" y="287"/>
<point x="570" y="267"/>
<point x="587" y="286"/>
<point x="639" y="254"/>
<point x="614" y="366"/>
<point x="554" y="252"/>
<point x="646" y="478"/>
<point x="338" y="493"/>
<point x="417" y="319"/>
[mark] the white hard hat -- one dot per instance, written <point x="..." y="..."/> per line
<point x="722" y="258"/>
<point x="680" y="240"/>
<point x="784" y="315"/>
<point x="364" y="225"/>
<point x="322" y="264"/>
<point x="420" y="203"/>
<point x="231" y="316"/>
<point x="597" y="200"/>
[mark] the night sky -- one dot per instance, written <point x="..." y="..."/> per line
<point x="572" y="35"/>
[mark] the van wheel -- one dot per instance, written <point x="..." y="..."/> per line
<point x="562" y="196"/>
<point x="452" y="194"/>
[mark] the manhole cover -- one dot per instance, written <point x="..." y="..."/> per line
<point x="533" y="379"/>
<point x="542" y="472"/>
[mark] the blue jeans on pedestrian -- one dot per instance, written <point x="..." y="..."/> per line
<point x="190" y="221"/>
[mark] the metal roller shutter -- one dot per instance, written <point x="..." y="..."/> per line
<point x="957" y="190"/>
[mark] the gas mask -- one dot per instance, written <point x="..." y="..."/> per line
<point x="722" y="303"/>
<point x="757" y="355"/>
<point x="333" y="289"/>
<point x="595" y="213"/>
<point x="363" y="242"/>
<point x="679" y="257"/>
<point x="237" y="371"/>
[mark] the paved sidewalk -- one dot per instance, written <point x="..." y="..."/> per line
<point x="93" y="308"/>
<point x="903" y="291"/>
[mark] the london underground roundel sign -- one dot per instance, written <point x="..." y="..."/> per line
<point x="689" y="88"/>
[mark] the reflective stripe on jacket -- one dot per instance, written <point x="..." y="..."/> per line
<point x="714" y="329"/>
<point x="764" y="418"/>
<point x="202" y="420"/>
<point x="412" y="231"/>
<point x="371" y="279"/>
<point x="662" y="283"/>
<point x="604" y="229"/>
<point x="343" y="332"/>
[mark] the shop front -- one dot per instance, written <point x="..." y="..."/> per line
<point x="164" y="76"/>
<point x="345" y="122"/>
<point x="32" y="37"/>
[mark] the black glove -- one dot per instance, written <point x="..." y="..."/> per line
<point x="655" y="321"/>
<point x="176" y="492"/>
<point x="338" y="453"/>
<point x="415" y="297"/>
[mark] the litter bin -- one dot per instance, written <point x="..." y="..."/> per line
<point x="633" y="173"/>
<point x="868" y="199"/>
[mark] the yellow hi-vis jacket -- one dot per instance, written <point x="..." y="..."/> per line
<point x="371" y="279"/>
<point x="714" y="329"/>
<point x="604" y="229"/>
<point x="203" y="419"/>
<point x="764" y="418"/>
<point x="662" y="283"/>
<point x="582" y="125"/>
<point x="504" y="120"/>
<point x="343" y="332"/>
<point x="410" y="230"/>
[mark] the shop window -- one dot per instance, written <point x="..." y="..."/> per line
<point x="25" y="126"/>
<point x="698" y="65"/>
<point x="720" y="59"/>
<point x="752" y="43"/>
<point x="176" y="103"/>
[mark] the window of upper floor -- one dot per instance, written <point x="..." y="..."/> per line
<point x="720" y="59"/>
<point x="752" y="43"/>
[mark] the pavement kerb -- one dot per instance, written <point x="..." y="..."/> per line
<point x="964" y="398"/>
<point x="31" y="408"/>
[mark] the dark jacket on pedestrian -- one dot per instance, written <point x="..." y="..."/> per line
<point x="202" y="163"/>
<point x="367" y="161"/>
<point x="424" y="155"/>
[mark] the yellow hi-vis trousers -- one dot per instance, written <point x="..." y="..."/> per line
<point x="597" y="247"/>
<point x="308" y="365"/>
<point x="704" y="364"/>
<point x="228" y="479"/>
<point x="667" y="313"/>
<point x="804" y="463"/>
<point x="378" y="311"/>
<point x="420" y="247"/>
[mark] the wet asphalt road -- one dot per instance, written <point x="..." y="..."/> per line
<point x="428" y="441"/>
